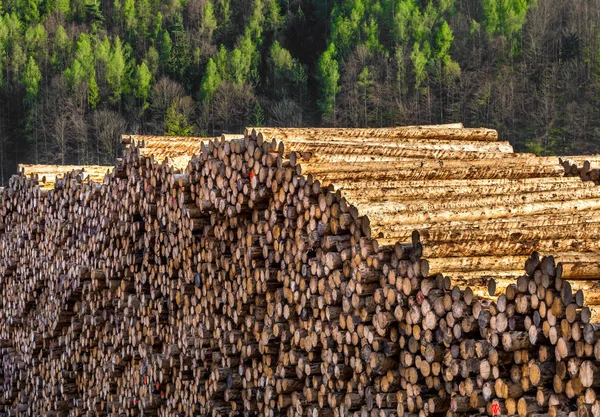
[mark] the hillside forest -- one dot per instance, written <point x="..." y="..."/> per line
<point x="75" y="74"/>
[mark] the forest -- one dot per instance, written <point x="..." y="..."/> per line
<point x="75" y="74"/>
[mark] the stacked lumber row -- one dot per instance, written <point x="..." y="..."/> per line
<point x="47" y="175"/>
<point x="175" y="150"/>
<point x="586" y="167"/>
<point x="479" y="208"/>
<point x="241" y="286"/>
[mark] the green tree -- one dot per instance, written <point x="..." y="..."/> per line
<point x="75" y="75"/>
<point x="491" y="18"/>
<point x="180" y="58"/>
<point x="35" y="40"/>
<point x="152" y="60"/>
<point x="273" y="18"/>
<point x="225" y="12"/>
<point x="176" y="124"/>
<point x="364" y="83"/>
<point x="31" y="13"/>
<point x="329" y="76"/>
<point x="209" y="21"/>
<point x="115" y="70"/>
<point x="254" y="27"/>
<point x="243" y="62"/>
<point x="142" y="84"/>
<point x="18" y="59"/>
<point x="61" y="49"/>
<point x="402" y="18"/>
<point x="258" y="115"/>
<point x="63" y="6"/>
<point x="443" y="42"/>
<point x="166" y="45"/>
<point x="419" y="60"/>
<point x="93" y="91"/>
<point x="144" y="18"/>
<point x="31" y="81"/>
<point x="129" y="17"/>
<point x="84" y="54"/>
<point x="210" y="81"/>
<point x="288" y="74"/>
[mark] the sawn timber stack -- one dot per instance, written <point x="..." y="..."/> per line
<point x="250" y="284"/>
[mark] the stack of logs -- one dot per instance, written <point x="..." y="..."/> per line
<point x="480" y="209"/>
<point x="587" y="167"/>
<point x="243" y="287"/>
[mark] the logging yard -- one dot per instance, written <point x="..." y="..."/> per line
<point x="410" y="271"/>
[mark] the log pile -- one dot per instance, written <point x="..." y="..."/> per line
<point x="47" y="175"/>
<point x="479" y="208"/>
<point x="250" y="284"/>
<point x="587" y="167"/>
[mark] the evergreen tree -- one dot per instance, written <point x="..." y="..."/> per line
<point x="364" y="83"/>
<point x="31" y="81"/>
<point x="444" y="42"/>
<point x="115" y="70"/>
<point x="209" y="21"/>
<point x="142" y="84"/>
<point x="93" y="91"/>
<point x="176" y="124"/>
<point x="419" y="60"/>
<point x="329" y="76"/>
<point x="210" y="81"/>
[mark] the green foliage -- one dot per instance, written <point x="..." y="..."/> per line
<point x="31" y="13"/>
<point x="180" y="56"/>
<point x="61" y="48"/>
<point x="84" y="55"/>
<point x="210" y="81"/>
<point x="505" y="17"/>
<point x="364" y="84"/>
<point x="18" y="59"/>
<point x="329" y="76"/>
<point x="371" y="30"/>
<point x="225" y="12"/>
<point x="35" y="39"/>
<point x="419" y="60"/>
<point x="144" y="24"/>
<point x="115" y="70"/>
<point x="402" y="19"/>
<point x="129" y="16"/>
<point x="347" y="21"/>
<point x="491" y="17"/>
<point x="63" y="6"/>
<point x="75" y="75"/>
<point x="93" y="12"/>
<point x="273" y="19"/>
<point x="176" y="124"/>
<point x="209" y="21"/>
<point x="142" y="84"/>
<point x="258" y="115"/>
<point x="254" y="28"/>
<point x="152" y="60"/>
<point x="443" y="42"/>
<point x="289" y="76"/>
<point x="93" y="92"/>
<point x="166" y="45"/>
<point x="31" y="81"/>
<point x="242" y="62"/>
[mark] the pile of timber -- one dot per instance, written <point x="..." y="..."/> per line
<point x="47" y="175"/>
<point x="479" y="208"/>
<point x="587" y="167"/>
<point x="246" y="285"/>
